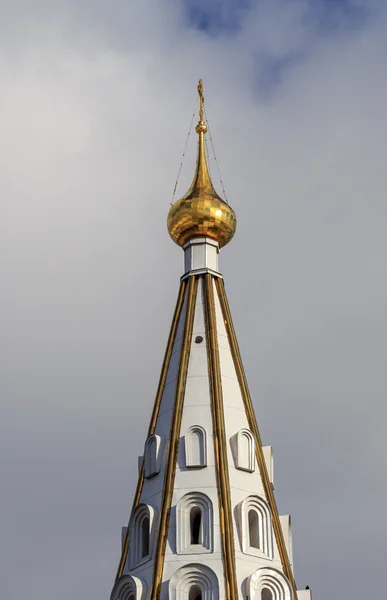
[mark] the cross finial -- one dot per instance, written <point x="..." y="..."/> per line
<point x="201" y="98"/>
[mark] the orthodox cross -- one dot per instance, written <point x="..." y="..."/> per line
<point x="201" y="99"/>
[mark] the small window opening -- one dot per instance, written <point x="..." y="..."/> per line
<point x="254" y="530"/>
<point x="195" y="593"/>
<point x="198" y="339"/>
<point x="145" y="537"/>
<point x="196" y="525"/>
<point x="266" y="594"/>
<point x="150" y="457"/>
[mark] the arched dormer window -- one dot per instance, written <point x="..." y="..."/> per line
<point x="153" y="455"/>
<point x="243" y="446"/>
<point x="196" y="447"/>
<point x="194" y="524"/>
<point x="128" y="587"/>
<point x="141" y="535"/>
<point x="255" y="526"/>
<point x="194" y="582"/>
<point x="268" y="584"/>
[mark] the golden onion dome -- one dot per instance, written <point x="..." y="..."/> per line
<point x="201" y="212"/>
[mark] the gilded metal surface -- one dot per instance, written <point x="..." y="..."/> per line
<point x="220" y="442"/>
<point x="155" y="413"/>
<point x="201" y="99"/>
<point x="173" y="445"/>
<point x="254" y="428"/>
<point x="201" y="212"/>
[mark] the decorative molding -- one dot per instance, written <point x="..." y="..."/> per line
<point x="268" y="584"/>
<point x="129" y="587"/>
<point x="200" y="272"/>
<point x="254" y="519"/>
<point x="243" y="447"/>
<point x="185" y="506"/>
<point x="153" y="454"/>
<point x="192" y="575"/>
<point x="195" y="440"/>
<point x="141" y="534"/>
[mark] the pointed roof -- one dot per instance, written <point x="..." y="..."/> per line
<point x="204" y="512"/>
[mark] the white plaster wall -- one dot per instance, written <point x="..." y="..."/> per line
<point x="242" y="483"/>
<point x="269" y="460"/>
<point x="201" y="254"/>
<point x="153" y="487"/>
<point x="197" y="411"/>
<point x="286" y="526"/>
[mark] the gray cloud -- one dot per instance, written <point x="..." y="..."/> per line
<point x="94" y="107"/>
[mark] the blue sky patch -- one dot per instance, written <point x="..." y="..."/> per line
<point x="216" y="16"/>
<point x="330" y="16"/>
<point x="272" y="69"/>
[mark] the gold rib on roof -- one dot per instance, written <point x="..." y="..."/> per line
<point x="254" y="428"/>
<point x="173" y="445"/>
<point x="155" y="414"/>
<point x="220" y="443"/>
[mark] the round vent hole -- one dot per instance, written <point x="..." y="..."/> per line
<point x="198" y="339"/>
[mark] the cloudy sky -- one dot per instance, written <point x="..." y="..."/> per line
<point x="96" y="99"/>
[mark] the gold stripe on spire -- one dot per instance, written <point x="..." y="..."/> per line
<point x="173" y="444"/>
<point x="254" y="428"/>
<point x="155" y="414"/>
<point x="220" y="442"/>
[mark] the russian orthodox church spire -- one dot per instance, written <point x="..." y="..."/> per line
<point x="204" y="523"/>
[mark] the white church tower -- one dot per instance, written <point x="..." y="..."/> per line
<point x="204" y="523"/>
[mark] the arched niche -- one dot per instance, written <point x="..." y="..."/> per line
<point x="153" y="455"/>
<point x="255" y="526"/>
<point x="268" y="584"/>
<point x="195" y="447"/>
<point x="243" y="447"/>
<point x="141" y="535"/>
<point x="194" y="579"/>
<point x="128" y="587"/>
